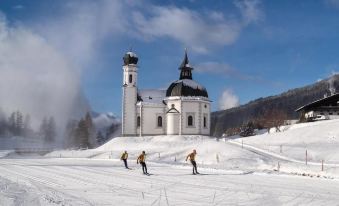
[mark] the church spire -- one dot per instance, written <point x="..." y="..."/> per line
<point x="186" y="69"/>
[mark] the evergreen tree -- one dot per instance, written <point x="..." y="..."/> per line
<point x="43" y="128"/>
<point x="11" y="122"/>
<point x="100" y="138"/>
<point x="3" y="123"/>
<point x="50" y="130"/>
<point x="247" y="129"/>
<point x="19" y="123"/>
<point x="82" y="134"/>
<point x="91" y="130"/>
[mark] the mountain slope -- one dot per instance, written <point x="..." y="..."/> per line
<point x="287" y="102"/>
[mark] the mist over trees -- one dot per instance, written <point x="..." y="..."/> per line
<point x="82" y="134"/>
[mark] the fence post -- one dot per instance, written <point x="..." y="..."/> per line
<point x="322" y="165"/>
<point x="306" y="157"/>
<point x="278" y="166"/>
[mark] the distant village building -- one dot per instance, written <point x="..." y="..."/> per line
<point x="326" y="108"/>
<point x="184" y="108"/>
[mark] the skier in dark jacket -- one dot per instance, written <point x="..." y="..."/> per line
<point x="191" y="156"/>
<point x="142" y="159"/>
<point x="124" y="157"/>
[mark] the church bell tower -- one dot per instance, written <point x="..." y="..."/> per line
<point x="129" y="94"/>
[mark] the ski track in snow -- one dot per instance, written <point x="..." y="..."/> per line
<point x="101" y="182"/>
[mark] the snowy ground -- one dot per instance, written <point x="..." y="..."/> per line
<point x="105" y="182"/>
<point x="246" y="171"/>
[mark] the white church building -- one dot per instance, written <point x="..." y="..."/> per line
<point x="182" y="109"/>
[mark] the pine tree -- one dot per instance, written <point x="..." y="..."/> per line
<point x="100" y="138"/>
<point x="11" y="122"/>
<point x="43" y="128"/>
<point x="19" y="122"/>
<point x="50" y="130"/>
<point x="91" y="130"/>
<point x="247" y="130"/>
<point x="82" y="134"/>
<point x="3" y="123"/>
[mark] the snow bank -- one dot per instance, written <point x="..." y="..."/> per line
<point x="320" y="139"/>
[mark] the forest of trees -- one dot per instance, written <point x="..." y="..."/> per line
<point x="232" y="119"/>
<point x="79" y="134"/>
<point x="268" y="120"/>
<point x="83" y="134"/>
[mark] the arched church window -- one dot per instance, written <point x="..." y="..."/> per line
<point x="130" y="78"/>
<point x="205" y="122"/>
<point x="159" y="121"/>
<point x="190" y="121"/>
<point x="138" y="121"/>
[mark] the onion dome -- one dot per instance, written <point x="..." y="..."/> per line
<point x="185" y="86"/>
<point x="130" y="58"/>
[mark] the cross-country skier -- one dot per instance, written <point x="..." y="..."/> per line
<point x="191" y="156"/>
<point x="124" y="157"/>
<point x="141" y="159"/>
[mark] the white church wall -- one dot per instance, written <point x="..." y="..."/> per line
<point x="190" y="109"/>
<point x="129" y="100"/>
<point x="173" y="123"/>
<point x="149" y="120"/>
<point x="129" y="121"/>
<point x="205" y="111"/>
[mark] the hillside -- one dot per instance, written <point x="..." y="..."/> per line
<point x="286" y="102"/>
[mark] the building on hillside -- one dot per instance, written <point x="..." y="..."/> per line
<point x="326" y="108"/>
<point x="182" y="109"/>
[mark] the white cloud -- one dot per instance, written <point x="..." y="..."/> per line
<point x="215" y="68"/>
<point x="226" y="70"/>
<point x="250" y="10"/>
<point x="228" y="100"/>
<point x="200" y="32"/>
<point x="332" y="3"/>
<point x="81" y="28"/>
<point x="34" y="77"/>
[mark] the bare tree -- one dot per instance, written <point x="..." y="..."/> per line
<point x="273" y="118"/>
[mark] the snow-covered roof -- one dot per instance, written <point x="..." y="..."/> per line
<point x="191" y="83"/>
<point x="186" y="87"/>
<point x="152" y="95"/>
<point x="320" y="102"/>
<point x="132" y="54"/>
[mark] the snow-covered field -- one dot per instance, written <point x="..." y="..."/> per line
<point x="102" y="182"/>
<point x="247" y="171"/>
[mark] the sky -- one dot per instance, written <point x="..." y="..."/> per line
<point x="241" y="50"/>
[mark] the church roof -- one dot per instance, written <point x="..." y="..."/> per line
<point x="185" y="63"/>
<point x="130" y="58"/>
<point x="155" y="96"/>
<point x="186" y="86"/>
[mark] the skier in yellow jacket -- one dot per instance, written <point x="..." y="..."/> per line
<point x="124" y="157"/>
<point x="191" y="156"/>
<point x="142" y="159"/>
